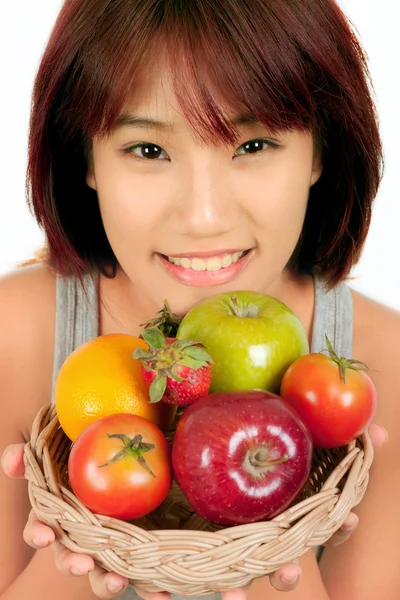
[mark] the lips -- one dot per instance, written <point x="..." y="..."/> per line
<point x="217" y="269"/>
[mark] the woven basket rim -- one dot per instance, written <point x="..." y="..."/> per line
<point x="190" y="561"/>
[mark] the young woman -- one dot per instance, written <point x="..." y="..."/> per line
<point x="228" y="132"/>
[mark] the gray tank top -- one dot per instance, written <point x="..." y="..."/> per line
<point x="77" y="321"/>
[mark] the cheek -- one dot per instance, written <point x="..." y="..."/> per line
<point x="129" y="204"/>
<point x="277" y="199"/>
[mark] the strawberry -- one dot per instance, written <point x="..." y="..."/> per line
<point x="177" y="371"/>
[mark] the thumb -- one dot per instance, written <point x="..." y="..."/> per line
<point x="152" y="595"/>
<point x="12" y="461"/>
<point x="379" y="436"/>
<point x="239" y="594"/>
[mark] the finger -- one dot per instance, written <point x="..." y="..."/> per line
<point x="107" y="585"/>
<point x="71" y="563"/>
<point x="152" y="595"/>
<point x="379" y="436"/>
<point x="286" y="578"/>
<point x="37" y="534"/>
<point x="12" y="461"/>
<point x="343" y="534"/>
<point x="239" y="594"/>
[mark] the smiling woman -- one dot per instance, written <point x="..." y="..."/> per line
<point x="271" y="93"/>
<point x="179" y="149"/>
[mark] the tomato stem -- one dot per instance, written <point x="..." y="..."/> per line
<point x="343" y="362"/>
<point x="133" y="447"/>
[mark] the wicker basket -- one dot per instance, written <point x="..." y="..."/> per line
<point x="174" y="550"/>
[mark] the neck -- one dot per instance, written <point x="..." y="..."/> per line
<point x="124" y="307"/>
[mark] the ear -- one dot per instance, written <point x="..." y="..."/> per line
<point x="316" y="168"/>
<point x="90" y="178"/>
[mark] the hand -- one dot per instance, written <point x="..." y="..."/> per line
<point x="239" y="594"/>
<point x="379" y="437"/>
<point x="38" y="536"/>
<point x="111" y="585"/>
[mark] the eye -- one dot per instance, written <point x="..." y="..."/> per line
<point x="255" y="146"/>
<point x="147" y="151"/>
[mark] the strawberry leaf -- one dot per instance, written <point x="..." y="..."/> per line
<point x="198" y="354"/>
<point x="181" y="344"/>
<point x="143" y="355"/>
<point x="174" y="375"/>
<point x="167" y="321"/>
<point x="157" y="388"/>
<point x="154" y="338"/>
<point x="192" y="363"/>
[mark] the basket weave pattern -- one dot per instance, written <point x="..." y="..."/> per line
<point x="174" y="550"/>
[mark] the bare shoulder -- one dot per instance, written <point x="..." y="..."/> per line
<point x="377" y="343"/>
<point x="375" y="322"/>
<point x="37" y="275"/>
<point x="27" y="315"/>
<point x="377" y="338"/>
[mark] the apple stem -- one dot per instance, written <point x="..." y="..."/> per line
<point x="260" y="459"/>
<point x="235" y="306"/>
<point x="246" y="312"/>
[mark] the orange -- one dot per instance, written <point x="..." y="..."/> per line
<point x="101" y="377"/>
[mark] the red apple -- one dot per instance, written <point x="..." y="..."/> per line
<point x="241" y="457"/>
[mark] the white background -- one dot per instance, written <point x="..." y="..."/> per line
<point x="24" y="28"/>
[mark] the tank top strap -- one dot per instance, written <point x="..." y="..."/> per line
<point x="77" y="319"/>
<point x="333" y="316"/>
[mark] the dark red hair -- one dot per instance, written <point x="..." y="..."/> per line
<point x="291" y="64"/>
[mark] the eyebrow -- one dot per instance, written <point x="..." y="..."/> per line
<point x="132" y="120"/>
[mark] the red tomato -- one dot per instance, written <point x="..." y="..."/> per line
<point x="120" y="466"/>
<point x="335" y="411"/>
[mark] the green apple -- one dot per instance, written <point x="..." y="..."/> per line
<point x="252" y="339"/>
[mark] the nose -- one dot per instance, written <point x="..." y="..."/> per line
<point x="205" y="204"/>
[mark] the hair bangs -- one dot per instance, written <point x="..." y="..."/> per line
<point x="222" y="65"/>
<point x="220" y="61"/>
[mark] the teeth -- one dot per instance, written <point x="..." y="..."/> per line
<point x="197" y="264"/>
<point x="212" y="264"/>
<point x="227" y="260"/>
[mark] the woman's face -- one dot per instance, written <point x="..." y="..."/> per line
<point x="188" y="220"/>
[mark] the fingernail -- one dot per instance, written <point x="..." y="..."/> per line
<point x="115" y="587"/>
<point x="348" y="528"/>
<point x="4" y="459"/>
<point x="77" y="572"/>
<point x="350" y="524"/>
<point x="40" y="543"/>
<point x="289" y="579"/>
<point x="385" y="431"/>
